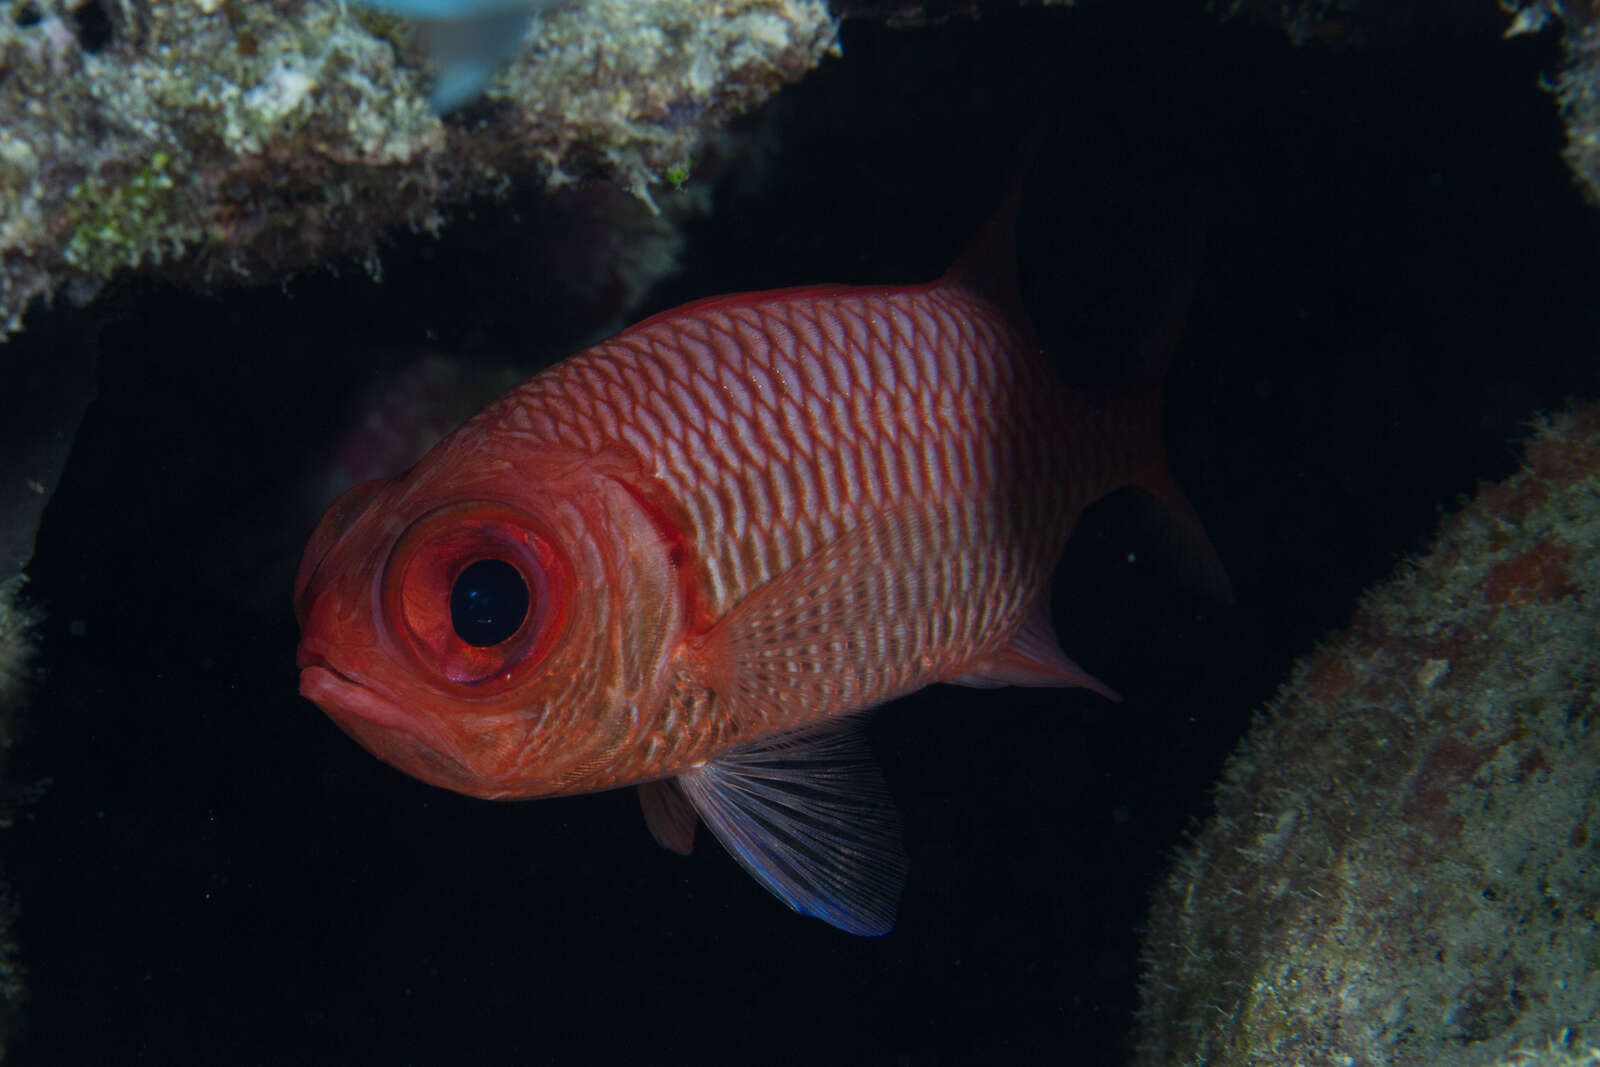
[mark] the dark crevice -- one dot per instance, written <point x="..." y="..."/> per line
<point x="94" y="26"/>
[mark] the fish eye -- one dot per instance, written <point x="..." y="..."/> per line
<point x="488" y="602"/>
<point x="476" y="594"/>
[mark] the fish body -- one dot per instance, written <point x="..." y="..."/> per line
<point x="735" y="524"/>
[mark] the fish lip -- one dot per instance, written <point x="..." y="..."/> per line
<point x="336" y="693"/>
<point x="344" y="697"/>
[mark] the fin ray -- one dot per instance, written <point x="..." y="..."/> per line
<point x="1033" y="658"/>
<point x="807" y="814"/>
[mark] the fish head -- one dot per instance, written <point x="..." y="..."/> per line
<point x="491" y="622"/>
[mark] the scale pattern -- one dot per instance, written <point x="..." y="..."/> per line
<point x="780" y="423"/>
<point x="904" y="451"/>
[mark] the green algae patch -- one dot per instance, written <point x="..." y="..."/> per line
<point x="218" y="142"/>
<point x="115" y="226"/>
<point x="677" y="174"/>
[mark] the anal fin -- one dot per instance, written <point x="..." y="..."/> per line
<point x="1033" y="658"/>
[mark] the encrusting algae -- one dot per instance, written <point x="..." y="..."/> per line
<point x="1402" y="867"/>
<point x="222" y="141"/>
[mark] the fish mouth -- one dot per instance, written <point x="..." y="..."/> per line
<point x="403" y="737"/>
<point x="345" y="698"/>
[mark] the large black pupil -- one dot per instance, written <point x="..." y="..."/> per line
<point x="488" y="602"/>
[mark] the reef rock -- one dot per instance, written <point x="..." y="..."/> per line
<point x="1403" y="867"/>
<point x="219" y="140"/>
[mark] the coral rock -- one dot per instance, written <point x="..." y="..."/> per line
<point x="229" y="141"/>
<point x="1402" y="866"/>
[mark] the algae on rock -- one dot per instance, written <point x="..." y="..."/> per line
<point x="1401" y="868"/>
<point x="223" y="141"/>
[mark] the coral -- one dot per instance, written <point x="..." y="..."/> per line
<point x="217" y="140"/>
<point x="1402" y="866"/>
<point x="1579" y="92"/>
<point x="1552" y="1055"/>
<point x="654" y="72"/>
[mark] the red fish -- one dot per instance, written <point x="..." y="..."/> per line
<point x="684" y="558"/>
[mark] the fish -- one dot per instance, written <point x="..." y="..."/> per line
<point x="689" y="558"/>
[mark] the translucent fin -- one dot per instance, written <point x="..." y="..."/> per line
<point x="1194" y="550"/>
<point x="807" y="814"/>
<point x="988" y="265"/>
<point x="1033" y="658"/>
<point x="1135" y="407"/>
<point x="669" y="815"/>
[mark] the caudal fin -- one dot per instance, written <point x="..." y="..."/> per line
<point x="1195" y="549"/>
<point x="1132" y="414"/>
<point x="1134" y="409"/>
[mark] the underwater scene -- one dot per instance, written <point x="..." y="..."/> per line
<point x="1068" y="535"/>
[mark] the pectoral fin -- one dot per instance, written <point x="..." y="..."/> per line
<point x="807" y="814"/>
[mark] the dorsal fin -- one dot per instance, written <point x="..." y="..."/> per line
<point x="988" y="265"/>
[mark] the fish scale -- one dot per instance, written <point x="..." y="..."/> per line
<point x="849" y="394"/>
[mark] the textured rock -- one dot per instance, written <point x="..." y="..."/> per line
<point x="1579" y="91"/>
<point x="218" y="140"/>
<point x="1402" y="868"/>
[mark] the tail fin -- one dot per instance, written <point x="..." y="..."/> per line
<point x="1194" y="546"/>
<point x="1135" y="409"/>
<point x="988" y="267"/>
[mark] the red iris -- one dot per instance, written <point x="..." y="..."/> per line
<point x="423" y="571"/>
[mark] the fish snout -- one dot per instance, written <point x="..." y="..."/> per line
<point x="391" y="727"/>
<point x="331" y="529"/>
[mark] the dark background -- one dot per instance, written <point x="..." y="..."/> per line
<point x="1397" y="273"/>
